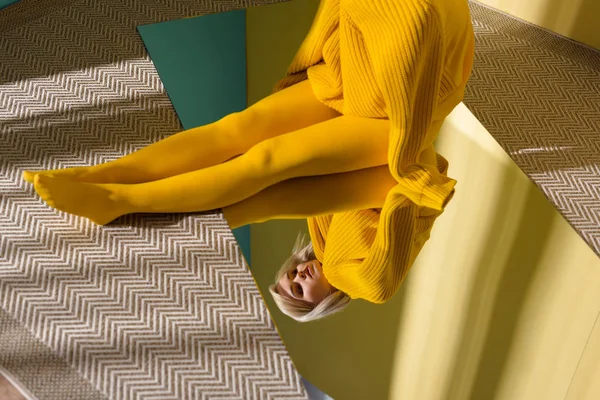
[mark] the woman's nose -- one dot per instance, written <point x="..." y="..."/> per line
<point x="301" y="274"/>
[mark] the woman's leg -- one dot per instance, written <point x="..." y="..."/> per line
<point x="354" y="190"/>
<point x="338" y="145"/>
<point x="285" y="111"/>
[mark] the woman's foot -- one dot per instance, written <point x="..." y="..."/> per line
<point x="99" y="203"/>
<point x="102" y="173"/>
<point x="67" y="173"/>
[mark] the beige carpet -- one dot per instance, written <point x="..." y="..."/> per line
<point x="153" y="306"/>
<point x="538" y="94"/>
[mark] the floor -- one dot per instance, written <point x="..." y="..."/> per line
<point x="107" y="93"/>
<point x="8" y="391"/>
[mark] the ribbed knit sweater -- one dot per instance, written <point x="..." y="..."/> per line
<point x="407" y="61"/>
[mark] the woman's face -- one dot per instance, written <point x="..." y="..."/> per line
<point x="306" y="282"/>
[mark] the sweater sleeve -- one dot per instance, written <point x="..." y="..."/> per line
<point x="377" y="277"/>
<point x="318" y="228"/>
<point x="400" y="236"/>
<point x="409" y="55"/>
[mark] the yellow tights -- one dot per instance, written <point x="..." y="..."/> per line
<point x="287" y="156"/>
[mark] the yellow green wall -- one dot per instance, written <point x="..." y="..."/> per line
<point x="576" y="19"/>
<point x="501" y="303"/>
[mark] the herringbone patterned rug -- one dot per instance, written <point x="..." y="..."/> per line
<point x="538" y="94"/>
<point x="162" y="306"/>
<point x="154" y="306"/>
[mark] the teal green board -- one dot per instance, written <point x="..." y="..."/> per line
<point x="202" y="64"/>
<point x="6" y="3"/>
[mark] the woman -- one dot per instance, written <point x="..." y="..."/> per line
<point x="346" y="141"/>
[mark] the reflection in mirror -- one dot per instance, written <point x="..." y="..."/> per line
<point x="500" y="264"/>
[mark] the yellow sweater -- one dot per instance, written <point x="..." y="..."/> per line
<point x="408" y="61"/>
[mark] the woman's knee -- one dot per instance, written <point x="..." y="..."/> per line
<point x="261" y="157"/>
<point x="248" y="127"/>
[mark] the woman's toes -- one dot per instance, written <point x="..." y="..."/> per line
<point x="28" y="176"/>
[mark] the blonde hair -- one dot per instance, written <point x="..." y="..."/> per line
<point x="336" y="301"/>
